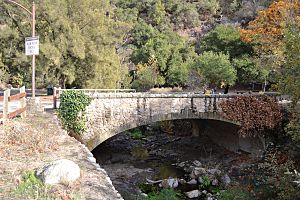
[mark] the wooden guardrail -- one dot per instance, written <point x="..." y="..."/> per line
<point x="57" y="92"/>
<point x="7" y="99"/>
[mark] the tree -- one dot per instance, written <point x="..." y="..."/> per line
<point x="267" y="31"/>
<point x="225" y="39"/>
<point x="157" y="13"/>
<point x="290" y="82"/>
<point x="185" y="16"/>
<point x="76" y="46"/>
<point x="208" y="6"/>
<point x="215" y="67"/>
<point x="247" y="70"/>
<point x="173" y="53"/>
<point x="147" y="75"/>
<point x="4" y="75"/>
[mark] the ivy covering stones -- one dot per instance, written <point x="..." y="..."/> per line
<point x="255" y="114"/>
<point x="72" y="110"/>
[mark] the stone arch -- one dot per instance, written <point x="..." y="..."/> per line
<point x="185" y="115"/>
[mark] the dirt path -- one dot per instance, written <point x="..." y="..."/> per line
<point x="39" y="139"/>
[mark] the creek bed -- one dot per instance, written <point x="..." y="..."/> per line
<point x="130" y="161"/>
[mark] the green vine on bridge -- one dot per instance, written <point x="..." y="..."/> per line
<point x="72" y="110"/>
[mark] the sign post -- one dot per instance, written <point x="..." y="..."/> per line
<point x="30" y="52"/>
<point x="31" y="46"/>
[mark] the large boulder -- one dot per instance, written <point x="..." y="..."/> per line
<point x="193" y="194"/>
<point x="60" y="171"/>
<point x="169" y="183"/>
<point x="197" y="172"/>
<point x="226" y="180"/>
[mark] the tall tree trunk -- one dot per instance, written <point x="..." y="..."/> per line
<point x="62" y="81"/>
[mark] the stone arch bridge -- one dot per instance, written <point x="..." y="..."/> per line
<point x="112" y="113"/>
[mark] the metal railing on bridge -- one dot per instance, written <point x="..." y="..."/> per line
<point x="57" y="92"/>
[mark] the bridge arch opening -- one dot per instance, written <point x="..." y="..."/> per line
<point x="197" y="121"/>
<point x="125" y="158"/>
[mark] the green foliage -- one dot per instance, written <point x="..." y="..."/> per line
<point x="77" y="46"/>
<point x="140" y="153"/>
<point x="286" y="188"/>
<point x="293" y="127"/>
<point x="289" y="82"/>
<point x="205" y="182"/>
<point x="148" y="188"/>
<point x="184" y="15"/>
<point x="157" y="12"/>
<point x="31" y="187"/>
<point x="276" y="178"/>
<point x="172" y="54"/>
<point x="208" y="6"/>
<point x="17" y="80"/>
<point x="235" y="193"/>
<point x="215" y="67"/>
<point x="71" y="110"/>
<point x="4" y="74"/>
<point x="225" y="39"/>
<point x="247" y="70"/>
<point x="165" y="194"/>
<point x="147" y="75"/>
<point x="136" y="134"/>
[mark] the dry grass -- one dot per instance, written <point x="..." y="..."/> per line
<point x="26" y="145"/>
<point x="31" y="143"/>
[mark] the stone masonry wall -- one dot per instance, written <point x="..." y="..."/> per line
<point x="112" y="113"/>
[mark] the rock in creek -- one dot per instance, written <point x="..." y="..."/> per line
<point x="197" y="163"/>
<point x="198" y="171"/>
<point x="193" y="194"/>
<point x="192" y="182"/>
<point x="226" y="179"/>
<point x="169" y="183"/>
<point x="214" y="171"/>
<point x="215" y="182"/>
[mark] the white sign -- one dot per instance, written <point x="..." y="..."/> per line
<point x="31" y="46"/>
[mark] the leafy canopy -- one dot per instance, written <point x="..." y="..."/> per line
<point x="267" y="31"/>
<point x="77" y="42"/>
<point x="225" y="39"/>
<point x="215" y="68"/>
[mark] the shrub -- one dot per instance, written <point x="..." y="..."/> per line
<point x="165" y="194"/>
<point x="71" y="110"/>
<point x="255" y="114"/>
<point x="236" y="193"/>
<point x="31" y="187"/>
<point x="215" y="68"/>
<point x="205" y="182"/>
<point x="136" y="134"/>
<point x="293" y="127"/>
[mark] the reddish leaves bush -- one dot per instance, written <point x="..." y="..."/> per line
<point x="255" y="114"/>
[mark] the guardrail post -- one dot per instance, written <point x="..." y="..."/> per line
<point x="54" y="97"/>
<point x="23" y="102"/>
<point x="6" y="105"/>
